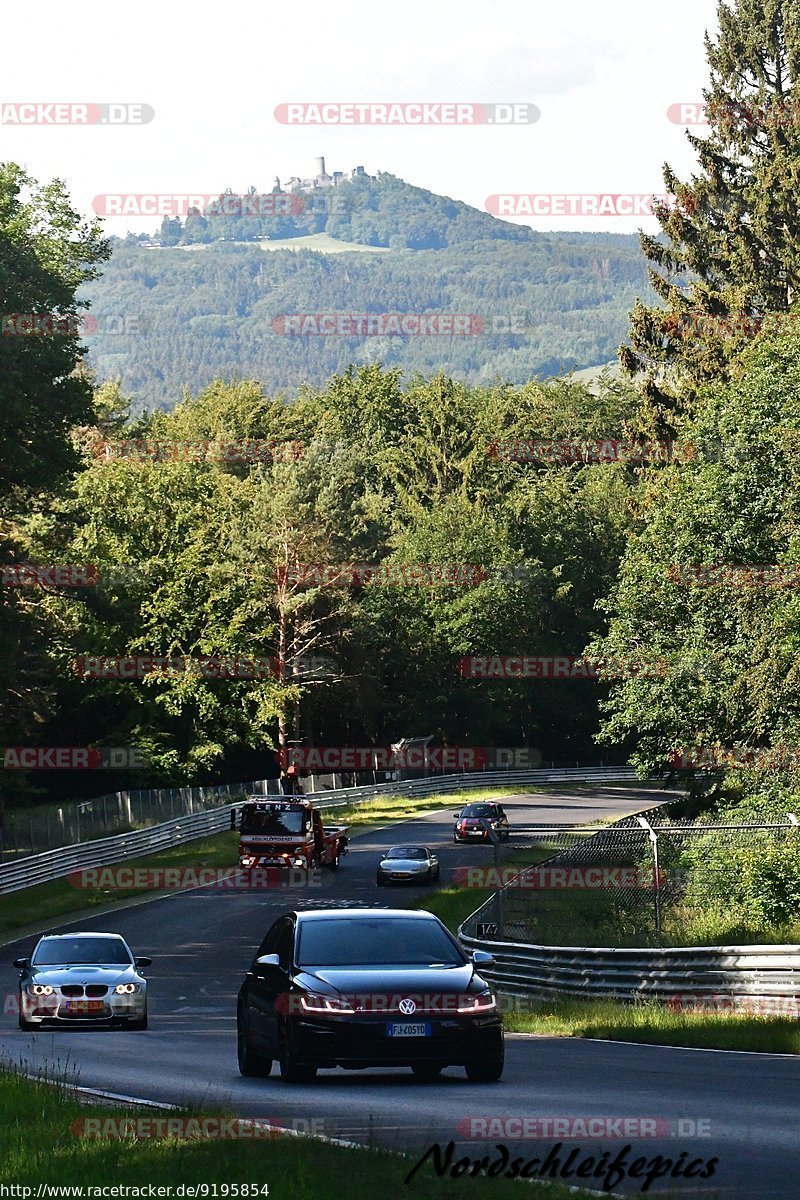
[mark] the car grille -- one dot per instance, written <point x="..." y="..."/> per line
<point x="77" y="989"/>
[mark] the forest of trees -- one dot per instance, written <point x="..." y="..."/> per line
<point x="171" y="319"/>
<point x="198" y="553"/>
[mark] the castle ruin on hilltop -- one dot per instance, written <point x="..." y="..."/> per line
<point x="321" y="180"/>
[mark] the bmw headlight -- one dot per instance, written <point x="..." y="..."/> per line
<point x="125" y="989"/>
<point x="40" y="989"/>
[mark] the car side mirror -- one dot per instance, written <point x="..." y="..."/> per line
<point x="456" y="816"/>
<point x="22" y="963"/>
<point x="268" y="960"/>
<point x="482" y="958"/>
<point x="144" y="962"/>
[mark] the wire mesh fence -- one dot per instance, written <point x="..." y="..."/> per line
<point x="648" y="880"/>
<point x="46" y="828"/>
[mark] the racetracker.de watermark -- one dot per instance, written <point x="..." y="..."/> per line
<point x="248" y="450"/>
<point x="762" y="758"/>
<point x="565" y="666"/>
<point x="562" y="450"/>
<point x="74" y="758"/>
<point x="72" y="324"/>
<point x="559" y="878"/>
<point x="141" y="666"/>
<point x="576" y="204"/>
<point x="754" y="1006"/>
<point x="535" y="1128"/>
<point x="772" y="575"/>
<point x="407" y="1003"/>
<point x="406" y="113"/>
<point x="181" y="879"/>
<point x="413" y="758"/>
<point x="49" y="575"/>
<point x="387" y="574"/>
<point x="776" y="112"/>
<point x="209" y="204"/>
<point x="358" y="325"/>
<point x="194" y="1128"/>
<point x="40" y="112"/>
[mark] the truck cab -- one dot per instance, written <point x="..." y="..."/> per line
<point x="286" y="833"/>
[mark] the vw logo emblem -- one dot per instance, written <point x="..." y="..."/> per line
<point x="407" y="1007"/>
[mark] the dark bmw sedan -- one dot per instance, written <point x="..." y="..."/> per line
<point x="358" y="988"/>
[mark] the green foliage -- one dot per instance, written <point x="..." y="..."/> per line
<point x="550" y="302"/>
<point x="757" y="883"/>
<point x="730" y="254"/>
<point x="733" y="676"/>
<point x="46" y="254"/>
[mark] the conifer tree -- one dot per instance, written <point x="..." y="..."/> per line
<point x="728" y="258"/>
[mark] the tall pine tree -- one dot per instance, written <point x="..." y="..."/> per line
<point x="729" y="255"/>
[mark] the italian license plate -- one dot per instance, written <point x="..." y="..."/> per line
<point x="408" y="1029"/>
<point x="85" y="1007"/>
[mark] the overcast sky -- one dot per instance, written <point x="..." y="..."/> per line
<point x="603" y="76"/>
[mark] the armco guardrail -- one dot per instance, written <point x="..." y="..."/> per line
<point x="545" y="972"/>
<point x="56" y="864"/>
<point x="727" y="976"/>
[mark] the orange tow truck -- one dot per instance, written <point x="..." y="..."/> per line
<point x="286" y="833"/>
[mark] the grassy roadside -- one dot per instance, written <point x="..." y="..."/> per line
<point x="39" y="1146"/>
<point x="47" y="902"/>
<point x="396" y="808"/>
<point x="651" y="1023"/>
<point x="655" y="1024"/>
<point x="453" y="905"/>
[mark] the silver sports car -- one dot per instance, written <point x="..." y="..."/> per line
<point x="77" y="978"/>
<point x="408" y="864"/>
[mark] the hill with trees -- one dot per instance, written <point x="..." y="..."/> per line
<point x="206" y="302"/>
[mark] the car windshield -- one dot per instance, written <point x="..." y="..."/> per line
<point x="53" y="952"/>
<point x="275" y="819"/>
<point x="407" y="852"/>
<point x="478" y="810"/>
<point x="376" y="942"/>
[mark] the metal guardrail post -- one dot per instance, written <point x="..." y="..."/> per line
<point x="645" y="824"/>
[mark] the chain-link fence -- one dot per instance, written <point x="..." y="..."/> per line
<point x="47" y="827"/>
<point x="649" y="880"/>
<point x="51" y="826"/>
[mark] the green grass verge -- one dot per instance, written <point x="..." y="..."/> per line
<point x="47" y="901"/>
<point x="655" y="1024"/>
<point x="38" y="1145"/>
<point x="452" y="905"/>
<point x="651" y="1023"/>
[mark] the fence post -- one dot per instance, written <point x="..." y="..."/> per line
<point x="656" y="874"/>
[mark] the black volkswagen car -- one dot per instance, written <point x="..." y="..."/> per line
<point x="367" y="987"/>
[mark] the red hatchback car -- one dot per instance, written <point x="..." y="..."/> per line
<point x="477" y="822"/>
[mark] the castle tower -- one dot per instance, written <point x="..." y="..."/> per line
<point x="320" y="167"/>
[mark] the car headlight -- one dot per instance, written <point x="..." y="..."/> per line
<point x="125" y="989"/>
<point x="314" y="1002"/>
<point x="40" y="989"/>
<point x="482" y="1003"/>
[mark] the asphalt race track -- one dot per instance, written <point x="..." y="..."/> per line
<point x="202" y="942"/>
